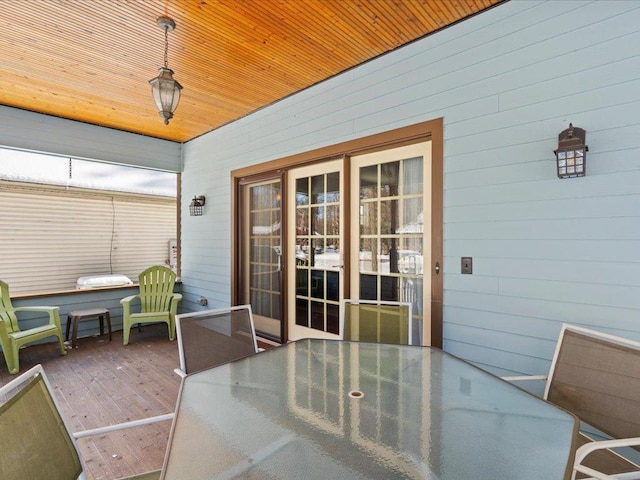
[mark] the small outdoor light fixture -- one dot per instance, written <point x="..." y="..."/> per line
<point x="196" y="206"/>
<point x="571" y="155"/>
<point x="165" y="90"/>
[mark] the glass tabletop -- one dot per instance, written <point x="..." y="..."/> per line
<point x="329" y="409"/>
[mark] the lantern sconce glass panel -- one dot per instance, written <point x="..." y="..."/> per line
<point x="196" y="207"/>
<point x="571" y="155"/>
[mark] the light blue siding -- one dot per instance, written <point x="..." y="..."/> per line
<point x="42" y="133"/>
<point x="506" y="82"/>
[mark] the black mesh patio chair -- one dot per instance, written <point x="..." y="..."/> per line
<point x="212" y="337"/>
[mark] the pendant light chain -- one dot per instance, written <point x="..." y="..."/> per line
<point x="166" y="47"/>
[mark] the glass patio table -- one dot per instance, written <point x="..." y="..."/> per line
<point x="323" y="409"/>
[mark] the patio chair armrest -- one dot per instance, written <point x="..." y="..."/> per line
<point x="54" y="315"/>
<point x="39" y="308"/>
<point x="129" y="299"/>
<point x="593" y="474"/>
<point x="122" y="426"/>
<point x="126" y="305"/>
<point x="175" y="299"/>
<point x="585" y="450"/>
<point x="522" y="378"/>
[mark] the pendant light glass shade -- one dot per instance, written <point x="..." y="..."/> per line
<point x="166" y="93"/>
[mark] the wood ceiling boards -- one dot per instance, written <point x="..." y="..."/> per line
<point x="91" y="60"/>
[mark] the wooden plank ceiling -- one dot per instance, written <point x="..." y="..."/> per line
<point x="91" y="60"/>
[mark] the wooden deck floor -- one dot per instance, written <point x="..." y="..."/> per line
<point x="102" y="383"/>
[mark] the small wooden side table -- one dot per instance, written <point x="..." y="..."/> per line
<point x="77" y="315"/>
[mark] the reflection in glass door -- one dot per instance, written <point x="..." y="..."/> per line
<point x="315" y="241"/>
<point x="390" y="235"/>
<point x="261" y="256"/>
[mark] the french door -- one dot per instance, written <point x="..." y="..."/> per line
<point x="315" y="250"/>
<point x="390" y="231"/>
<point x="384" y="223"/>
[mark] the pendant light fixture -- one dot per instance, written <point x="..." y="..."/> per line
<point x="165" y="90"/>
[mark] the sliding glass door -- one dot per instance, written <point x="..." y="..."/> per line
<point x="261" y="256"/>
<point x="357" y="227"/>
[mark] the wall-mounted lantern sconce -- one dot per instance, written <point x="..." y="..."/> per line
<point x="196" y="206"/>
<point x="571" y="155"/>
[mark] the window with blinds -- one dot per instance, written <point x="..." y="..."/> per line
<point x="52" y="235"/>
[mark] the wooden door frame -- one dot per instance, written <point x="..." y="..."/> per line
<point x="429" y="130"/>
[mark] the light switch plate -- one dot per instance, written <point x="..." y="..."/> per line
<point x="466" y="266"/>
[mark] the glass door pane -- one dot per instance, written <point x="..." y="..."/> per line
<point x="315" y="277"/>
<point x="262" y="257"/>
<point x="390" y="236"/>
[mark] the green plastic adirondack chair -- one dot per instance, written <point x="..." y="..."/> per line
<point x="12" y="338"/>
<point x="158" y="302"/>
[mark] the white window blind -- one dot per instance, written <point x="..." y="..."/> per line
<point x="51" y="236"/>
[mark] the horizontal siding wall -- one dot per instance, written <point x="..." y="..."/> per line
<point x="34" y="132"/>
<point x="506" y="82"/>
<point x="546" y="251"/>
<point x="52" y="236"/>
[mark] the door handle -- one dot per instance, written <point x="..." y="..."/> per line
<point x="437" y="269"/>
